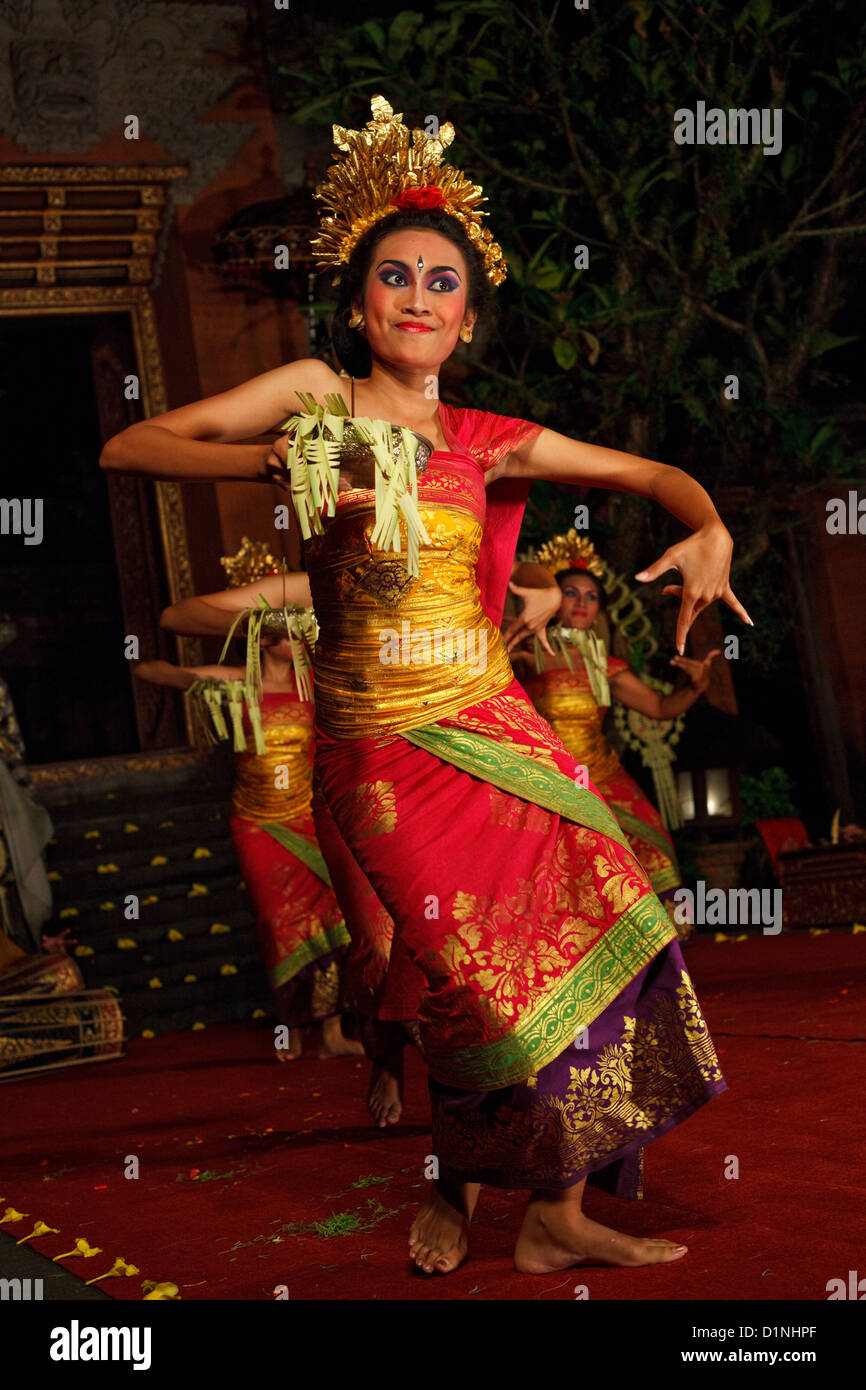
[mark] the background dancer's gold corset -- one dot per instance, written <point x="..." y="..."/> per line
<point x="393" y="652"/>
<point x="278" y="785"/>
<point x="565" y="700"/>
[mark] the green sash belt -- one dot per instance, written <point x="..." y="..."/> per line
<point x="308" y="854"/>
<point x="324" y="942"/>
<point x="521" y="775"/>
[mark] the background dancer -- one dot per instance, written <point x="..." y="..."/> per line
<point x="573" y="691"/>
<point x="302" y="936"/>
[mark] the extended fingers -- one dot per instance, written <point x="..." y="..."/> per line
<point x="733" y="602"/>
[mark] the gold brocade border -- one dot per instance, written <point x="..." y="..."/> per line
<point x="642" y="830"/>
<point x="663" y="879"/>
<point x="636" y="938"/>
<point x="321" y="945"/>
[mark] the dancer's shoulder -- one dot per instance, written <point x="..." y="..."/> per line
<point x="486" y="434"/>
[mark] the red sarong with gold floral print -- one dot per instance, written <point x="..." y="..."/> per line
<point x="521" y="913"/>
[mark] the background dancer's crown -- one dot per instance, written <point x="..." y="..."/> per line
<point x="253" y="561"/>
<point x="382" y="172"/>
<point x="571" y="551"/>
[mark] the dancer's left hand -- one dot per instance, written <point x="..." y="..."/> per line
<point x="539" y="606"/>
<point x="704" y="562"/>
<point x="698" y="672"/>
<point x="275" y="463"/>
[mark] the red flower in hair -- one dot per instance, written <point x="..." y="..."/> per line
<point x="430" y="196"/>
<point x="578" y="565"/>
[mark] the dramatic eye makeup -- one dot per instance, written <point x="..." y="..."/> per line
<point x="444" y="275"/>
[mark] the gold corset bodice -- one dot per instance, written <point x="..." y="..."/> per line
<point x="394" y="652"/>
<point x="278" y="785"/>
<point x="565" y="700"/>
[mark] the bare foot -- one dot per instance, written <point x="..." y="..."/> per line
<point x="295" y="1048"/>
<point x="439" y="1236"/>
<point x="556" y="1235"/>
<point x="334" y="1044"/>
<point x="385" y="1094"/>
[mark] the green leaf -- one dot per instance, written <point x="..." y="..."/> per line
<point x="376" y="34"/>
<point x="483" y="67"/>
<point x="565" y="353"/>
<point x="826" y="342"/>
<point x="824" y="433"/>
<point x="401" y="32"/>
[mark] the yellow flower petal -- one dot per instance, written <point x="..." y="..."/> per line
<point x="117" y="1269"/>
<point x="91" y="834"/>
<point x="158" y="859"/>
<point x="84" y="951"/>
<point x="40" y="1229"/>
<point x="164" y="1290"/>
<point x="54" y="876"/>
<point x="190" y="979"/>
<point x="126" y="943"/>
<point x="197" y="1026"/>
<point x="106" y="907"/>
<point x="68" y="912"/>
<point x="198" y="890"/>
<point x="148" y="1033"/>
<point x="173" y="934"/>
<point x="201" y="853"/>
<point x="10" y="1215"/>
<point x="151" y="898"/>
<point x="82" y="1250"/>
<point x="130" y="827"/>
<point x="155" y="983"/>
<point x="258" y="1013"/>
<point x="219" y="928"/>
<point x="228" y="970"/>
<point x="164" y="823"/>
<point x="107" y="869"/>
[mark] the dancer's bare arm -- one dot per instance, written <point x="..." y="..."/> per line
<point x="631" y="691"/>
<point x="182" y="677"/>
<point x="198" y="440"/>
<point x="703" y="559"/>
<point x="211" y="615"/>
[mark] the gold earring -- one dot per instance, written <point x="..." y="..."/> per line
<point x="465" y="334"/>
<point x="356" y="321"/>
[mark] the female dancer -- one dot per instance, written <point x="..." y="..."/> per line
<point x="512" y="888"/>
<point x="302" y="936"/>
<point x="567" y="691"/>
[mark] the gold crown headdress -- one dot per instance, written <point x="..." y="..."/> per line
<point x="253" y="561"/>
<point x="381" y="173"/>
<point x="571" y="551"/>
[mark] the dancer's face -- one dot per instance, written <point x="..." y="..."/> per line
<point x="277" y="649"/>
<point x="580" y="601"/>
<point x="413" y="315"/>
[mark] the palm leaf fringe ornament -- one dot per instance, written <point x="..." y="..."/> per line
<point x="317" y="438"/>
<point x="210" y="700"/>
<point x="591" y="648"/>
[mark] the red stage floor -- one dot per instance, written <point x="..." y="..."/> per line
<point x="255" y="1175"/>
